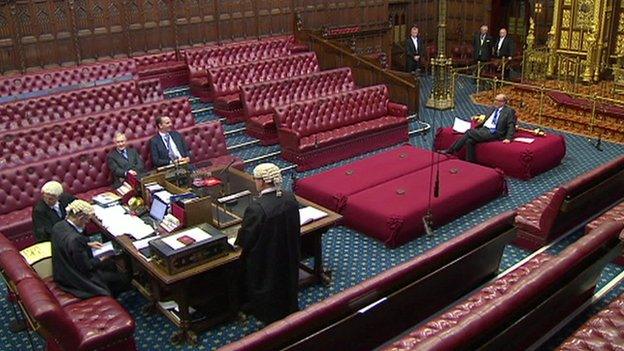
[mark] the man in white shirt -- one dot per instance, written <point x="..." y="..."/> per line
<point x="499" y="125"/>
<point x="168" y="146"/>
<point x="414" y="51"/>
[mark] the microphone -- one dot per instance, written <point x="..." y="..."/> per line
<point x="226" y="167"/>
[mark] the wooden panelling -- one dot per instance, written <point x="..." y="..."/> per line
<point x="41" y="33"/>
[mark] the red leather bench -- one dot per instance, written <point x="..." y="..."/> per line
<point x="614" y="214"/>
<point x="66" y="322"/>
<point x="199" y="60"/>
<point x="225" y="82"/>
<point x="59" y="138"/>
<point x="517" y="309"/>
<point x="587" y="105"/>
<point x="164" y="66"/>
<point x="603" y="331"/>
<point x="337" y="323"/>
<point x="549" y="216"/>
<point x="86" y="173"/>
<point x="464" y="187"/>
<point x="317" y="132"/>
<point x="332" y="189"/>
<point x="518" y="160"/>
<point x="260" y="99"/>
<point x="33" y="112"/>
<point x="24" y="86"/>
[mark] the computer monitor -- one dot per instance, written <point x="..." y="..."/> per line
<point x="158" y="209"/>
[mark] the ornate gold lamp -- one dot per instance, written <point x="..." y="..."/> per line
<point x="441" y="97"/>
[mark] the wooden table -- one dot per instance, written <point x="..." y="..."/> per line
<point x="214" y="283"/>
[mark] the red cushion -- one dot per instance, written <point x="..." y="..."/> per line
<point x="616" y="214"/>
<point x="64" y="298"/>
<point x="518" y="160"/>
<point x="332" y="188"/>
<point x="15" y="267"/>
<point x="100" y="321"/>
<point x="464" y="187"/>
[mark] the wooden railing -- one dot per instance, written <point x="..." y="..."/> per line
<point x="404" y="88"/>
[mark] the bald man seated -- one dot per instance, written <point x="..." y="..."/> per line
<point x="123" y="160"/>
<point x="499" y="124"/>
<point x="50" y="209"/>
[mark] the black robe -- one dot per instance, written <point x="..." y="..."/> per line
<point x="75" y="269"/>
<point x="270" y="237"/>
<point x="44" y="217"/>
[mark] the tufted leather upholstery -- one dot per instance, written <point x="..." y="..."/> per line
<point x="474" y="320"/>
<point x="549" y="215"/>
<point x="33" y="112"/>
<point x="339" y="119"/>
<point x="54" y="139"/>
<point x="164" y="66"/>
<point x="98" y="323"/>
<point x="322" y="314"/>
<point x="615" y="214"/>
<point x="201" y="59"/>
<point x="53" y="81"/>
<point x="260" y="99"/>
<point x="604" y="331"/>
<point x="86" y="173"/>
<point x="14" y="266"/>
<point x="228" y="79"/>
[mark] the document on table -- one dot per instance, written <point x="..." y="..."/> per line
<point x="143" y="243"/>
<point x="127" y="224"/>
<point x="525" y="140"/>
<point x="310" y="214"/>
<point x="196" y="234"/>
<point x="106" y="250"/>
<point x="460" y="126"/>
<point x="102" y="213"/>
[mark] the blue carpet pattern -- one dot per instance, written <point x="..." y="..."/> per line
<point x="351" y="256"/>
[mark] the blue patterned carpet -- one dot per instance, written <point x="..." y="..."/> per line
<point x="353" y="257"/>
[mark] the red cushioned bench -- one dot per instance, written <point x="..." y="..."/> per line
<point x="164" y="66"/>
<point x="59" y="138"/>
<point x="331" y="189"/>
<point x="517" y="309"/>
<point x="603" y="331"/>
<point x="614" y="214"/>
<point x="463" y="187"/>
<point x="259" y="100"/>
<point x="25" y="86"/>
<point x="383" y="305"/>
<point x="85" y="174"/>
<point x="518" y="160"/>
<point x="225" y="82"/>
<point x="31" y="112"/>
<point x="66" y="322"/>
<point x="586" y="105"/>
<point x="317" y="132"/>
<point x="199" y="60"/>
<point x="550" y="215"/>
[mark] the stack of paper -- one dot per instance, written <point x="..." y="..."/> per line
<point x="106" y="198"/>
<point x="106" y="250"/>
<point x="120" y="223"/>
<point x="310" y="214"/>
<point x="460" y="126"/>
<point x="525" y="140"/>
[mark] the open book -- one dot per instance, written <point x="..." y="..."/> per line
<point x="310" y="214"/>
<point x="104" y="251"/>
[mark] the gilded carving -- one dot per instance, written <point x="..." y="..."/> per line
<point x="585" y="13"/>
<point x="566" y="19"/>
<point x="576" y="39"/>
<point x="563" y="44"/>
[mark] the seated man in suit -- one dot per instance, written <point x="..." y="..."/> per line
<point x="414" y="51"/>
<point x="499" y="124"/>
<point x="123" y="160"/>
<point x="50" y="209"/>
<point x="75" y="269"/>
<point x="168" y="146"/>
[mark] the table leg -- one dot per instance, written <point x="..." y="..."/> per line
<point x="322" y="275"/>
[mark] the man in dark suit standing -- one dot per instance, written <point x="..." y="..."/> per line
<point x="504" y="45"/>
<point x="414" y="51"/>
<point x="50" y="209"/>
<point x="504" y="49"/>
<point x="482" y="44"/>
<point x="123" y="160"/>
<point x="270" y="238"/>
<point x="499" y="124"/>
<point x="168" y="146"/>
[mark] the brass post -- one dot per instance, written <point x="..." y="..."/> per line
<point x="541" y="105"/>
<point x="478" y="74"/>
<point x="593" y="114"/>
